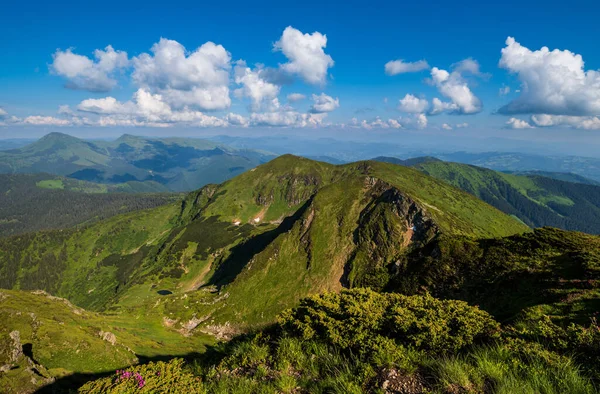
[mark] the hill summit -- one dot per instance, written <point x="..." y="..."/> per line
<point x="233" y="258"/>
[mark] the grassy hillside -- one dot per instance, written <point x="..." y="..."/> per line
<point x="561" y="176"/>
<point x="230" y="258"/>
<point x="537" y="201"/>
<point x="505" y="161"/>
<point x="34" y="202"/>
<point x="179" y="164"/>
<point x="280" y="215"/>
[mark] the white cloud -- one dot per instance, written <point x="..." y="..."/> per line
<point x="146" y="109"/>
<point x="45" y="121"/>
<point x="440" y="106"/>
<point x="3" y="113"/>
<point x="199" y="79"/>
<point x="461" y="125"/>
<point x="578" y="122"/>
<point x="65" y="110"/>
<point x="253" y="85"/>
<point x="376" y="123"/>
<point x="84" y="73"/>
<point x="553" y="82"/>
<point x="394" y="124"/>
<point x="413" y="104"/>
<point x="396" y="67"/>
<point x="515" y="123"/>
<point x="294" y="97"/>
<point x="446" y="126"/>
<point x="421" y="121"/>
<point x="504" y="90"/>
<point x="286" y="119"/>
<point x="416" y="121"/>
<point x="305" y="54"/>
<point x="237" y="120"/>
<point x="453" y="86"/>
<point x="323" y="103"/>
<point x="470" y="66"/>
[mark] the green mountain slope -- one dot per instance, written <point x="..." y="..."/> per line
<point x="180" y="164"/>
<point x="537" y="201"/>
<point x="216" y="233"/>
<point x="561" y="176"/>
<point x="230" y="258"/>
<point x="34" y="202"/>
<point x="505" y="161"/>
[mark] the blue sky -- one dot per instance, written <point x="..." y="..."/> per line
<point x="348" y="76"/>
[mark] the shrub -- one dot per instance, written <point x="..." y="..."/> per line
<point x="163" y="377"/>
<point x="361" y="320"/>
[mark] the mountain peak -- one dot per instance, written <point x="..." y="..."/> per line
<point x="52" y="141"/>
<point x="57" y="136"/>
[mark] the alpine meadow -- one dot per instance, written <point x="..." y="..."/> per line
<point x="299" y="198"/>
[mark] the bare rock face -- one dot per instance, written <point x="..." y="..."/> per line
<point x="390" y="224"/>
<point x="189" y="326"/>
<point x="11" y="351"/>
<point x="108" y="337"/>
<point x="396" y="382"/>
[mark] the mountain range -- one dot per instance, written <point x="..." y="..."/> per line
<point x="536" y="200"/>
<point x="369" y="243"/>
<point x="179" y="164"/>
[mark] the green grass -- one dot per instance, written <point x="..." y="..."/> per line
<point x="170" y="280"/>
<point x="51" y="184"/>
<point x="337" y="357"/>
<point x="537" y="201"/>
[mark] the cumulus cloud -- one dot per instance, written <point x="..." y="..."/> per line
<point x="413" y="104"/>
<point x="396" y="67"/>
<point x="578" y="122"/>
<point x="45" y="121"/>
<point x="237" y="120"/>
<point x="421" y="121"/>
<point x="515" y="123"/>
<point x="306" y="55"/>
<point x="198" y="79"/>
<point x="439" y="106"/>
<point x="81" y="72"/>
<point x="416" y="121"/>
<point x="146" y="109"/>
<point x="461" y="125"/>
<point x="323" y="103"/>
<point x="253" y="85"/>
<point x="3" y="113"/>
<point x="446" y="126"/>
<point x="394" y="124"/>
<point x="294" y="97"/>
<point x="553" y="82"/>
<point x="286" y="119"/>
<point x="470" y="66"/>
<point x="453" y="86"/>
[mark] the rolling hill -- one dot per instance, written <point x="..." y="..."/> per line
<point x="587" y="167"/>
<point x="561" y="176"/>
<point x="536" y="200"/>
<point x="228" y="259"/>
<point x="179" y="164"/>
<point x="34" y="202"/>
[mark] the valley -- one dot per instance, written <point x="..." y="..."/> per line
<point x="227" y="260"/>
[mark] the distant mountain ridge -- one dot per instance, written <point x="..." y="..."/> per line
<point x="536" y="200"/>
<point x="229" y="258"/>
<point x="588" y="167"/>
<point x="181" y="164"/>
